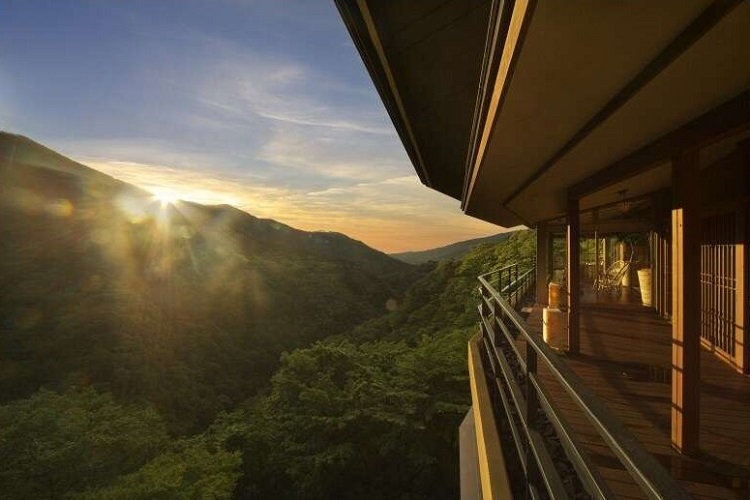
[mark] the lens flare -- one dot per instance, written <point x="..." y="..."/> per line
<point x="165" y="196"/>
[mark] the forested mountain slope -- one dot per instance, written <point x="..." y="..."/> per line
<point x="184" y="306"/>
<point x="374" y="413"/>
<point x="149" y="351"/>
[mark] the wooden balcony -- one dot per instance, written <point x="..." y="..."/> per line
<point x="625" y="358"/>
<point x="597" y="424"/>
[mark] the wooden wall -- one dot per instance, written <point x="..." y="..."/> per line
<point x="724" y="258"/>
<point x="725" y="279"/>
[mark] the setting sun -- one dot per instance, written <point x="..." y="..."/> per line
<point x="164" y="195"/>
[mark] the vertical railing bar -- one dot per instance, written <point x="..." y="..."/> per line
<point x="532" y="419"/>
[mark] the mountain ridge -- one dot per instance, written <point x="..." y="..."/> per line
<point x="36" y="155"/>
<point x="102" y="284"/>
<point x="451" y="251"/>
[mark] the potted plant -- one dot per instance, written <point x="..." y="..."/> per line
<point x="631" y="241"/>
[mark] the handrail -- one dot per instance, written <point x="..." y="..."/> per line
<point x="647" y="472"/>
<point x="509" y="281"/>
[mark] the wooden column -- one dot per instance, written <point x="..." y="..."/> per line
<point x="742" y="320"/>
<point x="686" y="306"/>
<point x="574" y="276"/>
<point x="741" y="334"/>
<point x="596" y="257"/>
<point x="595" y="219"/>
<point x="542" y="264"/>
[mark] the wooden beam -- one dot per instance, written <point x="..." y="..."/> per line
<point x="686" y="302"/>
<point x="542" y="264"/>
<point x="520" y="18"/>
<point x="499" y="22"/>
<point x="604" y="228"/>
<point x="721" y="121"/>
<point x="574" y="276"/>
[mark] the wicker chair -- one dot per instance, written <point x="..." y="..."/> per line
<point x="610" y="280"/>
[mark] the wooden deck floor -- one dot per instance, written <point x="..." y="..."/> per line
<point x="626" y="358"/>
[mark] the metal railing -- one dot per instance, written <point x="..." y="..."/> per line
<point x="512" y="287"/>
<point x="550" y="460"/>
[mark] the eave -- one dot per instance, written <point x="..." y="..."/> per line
<point x="564" y="95"/>
<point x="425" y="61"/>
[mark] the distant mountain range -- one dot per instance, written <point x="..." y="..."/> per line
<point x="183" y="306"/>
<point x="453" y="251"/>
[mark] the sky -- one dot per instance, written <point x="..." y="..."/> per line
<point x="262" y="104"/>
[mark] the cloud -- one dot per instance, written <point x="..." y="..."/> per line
<point x="392" y="215"/>
<point x="334" y="154"/>
<point x="200" y="187"/>
<point x="292" y="105"/>
<point x="276" y="136"/>
<point x="247" y="85"/>
<point x="392" y="205"/>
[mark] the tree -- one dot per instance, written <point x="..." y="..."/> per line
<point x="375" y="420"/>
<point x="51" y="444"/>
<point x="194" y="468"/>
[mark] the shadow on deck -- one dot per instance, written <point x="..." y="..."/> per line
<point x="626" y="359"/>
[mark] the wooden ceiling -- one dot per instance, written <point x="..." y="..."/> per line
<point x="568" y="92"/>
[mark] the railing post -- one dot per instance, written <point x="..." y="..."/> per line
<point x="574" y="275"/>
<point x="542" y="263"/>
<point x="501" y="315"/>
<point x="532" y="411"/>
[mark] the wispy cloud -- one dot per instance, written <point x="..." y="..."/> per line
<point x="390" y="215"/>
<point x="293" y="145"/>
<point x="268" y="122"/>
<point x="201" y="187"/>
<point x="291" y="92"/>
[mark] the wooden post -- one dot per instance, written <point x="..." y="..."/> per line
<point x="686" y="306"/>
<point x="542" y="260"/>
<point x="742" y="320"/>
<point x="595" y="219"/>
<point x="574" y="276"/>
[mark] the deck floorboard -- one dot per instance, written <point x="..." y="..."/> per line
<point x="625" y="359"/>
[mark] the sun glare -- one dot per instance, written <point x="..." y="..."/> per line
<point x="165" y="196"/>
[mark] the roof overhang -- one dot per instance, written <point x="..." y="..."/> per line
<point x="425" y="59"/>
<point x="568" y="100"/>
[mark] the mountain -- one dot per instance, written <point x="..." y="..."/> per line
<point x="373" y="413"/>
<point x="183" y="307"/>
<point x="452" y="251"/>
<point x="175" y="351"/>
